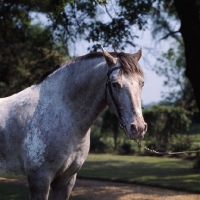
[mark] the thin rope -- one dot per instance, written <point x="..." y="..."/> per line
<point x="163" y="153"/>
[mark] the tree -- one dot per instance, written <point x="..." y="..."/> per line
<point x="188" y="12"/>
<point x="179" y="19"/>
<point x="110" y="124"/>
<point x="122" y="15"/>
<point x="87" y="20"/>
<point x="171" y="65"/>
<point x="26" y="49"/>
<point x="70" y="21"/>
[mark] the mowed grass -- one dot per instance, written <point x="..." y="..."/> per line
<point x="171" y="173"/>
<point x="155" y="171"/>
<point x="12" y="190"/>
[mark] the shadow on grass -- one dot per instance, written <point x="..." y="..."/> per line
<point x="169" y="174"/>
<point x="13" y="191"/>
<point x="77" y="198"/>
<point x="16" y="191"/>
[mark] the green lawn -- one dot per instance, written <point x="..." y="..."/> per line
<point x="13" y="191"/>
<point x="156" y="171"/>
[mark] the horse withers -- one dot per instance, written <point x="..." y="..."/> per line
<point x="45" y="129"/>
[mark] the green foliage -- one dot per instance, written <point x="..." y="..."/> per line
<point x="171" y="65"/>
<point x="165" y="126"/>
<point x="126" y="148"/>
<point x="110" y="122"/>
<point x="197" y="164"/>
<point x="69" y="21"/>
<point x="86" y="20"/>
<point x="110" y="125"/>
<point x="180" y="143"/>
<point x="165" y="20"/>
<point x="119" y="20"/>
<point x="26" y="50"/>
<point x="96" y="143"/>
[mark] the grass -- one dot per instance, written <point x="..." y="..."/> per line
<point x="154" y="171"/>
<point x="13" y="187"/>
<point x="11" y="190"/>
<point x="171" y="173"/>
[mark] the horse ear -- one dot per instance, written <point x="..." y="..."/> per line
<point x="138" y="55"/>
<point x="110" y="60"/>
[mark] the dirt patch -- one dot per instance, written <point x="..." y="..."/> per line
<point x="105" y="190"/>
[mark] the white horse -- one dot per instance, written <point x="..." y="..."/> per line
<point x="45" y="129"/>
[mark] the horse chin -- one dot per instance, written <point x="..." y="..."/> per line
<point x="136" y="132"/>
<point x="133" y="134"/>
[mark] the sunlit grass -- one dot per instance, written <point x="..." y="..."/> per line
<point x="156" y="171"/>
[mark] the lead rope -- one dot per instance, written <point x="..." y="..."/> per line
<point x="163" y="153"/>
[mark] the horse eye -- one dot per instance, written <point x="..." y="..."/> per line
<point x="116" y="85"/>
<point x="142" y="84"/>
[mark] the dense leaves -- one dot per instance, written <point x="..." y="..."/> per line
<point x="165" y="127"/>
<point x="96" y="21"/>
<point x="179" y="20"/>
<point x="101" y="23"/>
<point x="172" y="66"/>
<point x="110" y="125"/>
<point x="26" y="49"/>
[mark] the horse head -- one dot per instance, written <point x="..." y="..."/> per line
<point x="123" y="91"/>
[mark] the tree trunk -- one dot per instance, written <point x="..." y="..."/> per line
<point x="115" y="140"/>
<point x="188" y="12"/>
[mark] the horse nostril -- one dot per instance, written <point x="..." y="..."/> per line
<point x="133" y="128"/>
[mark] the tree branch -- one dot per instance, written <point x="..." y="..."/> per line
<point x="169" y="34"/>
<point x="108" y="12"/>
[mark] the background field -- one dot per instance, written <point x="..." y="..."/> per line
<point x="173" y="173"/>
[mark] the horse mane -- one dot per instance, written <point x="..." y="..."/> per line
<point x="128" y="63"/>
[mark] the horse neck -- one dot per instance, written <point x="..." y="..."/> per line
<point x="81" y="85"/>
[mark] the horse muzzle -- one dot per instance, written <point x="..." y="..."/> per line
<point x="137" y="131"/>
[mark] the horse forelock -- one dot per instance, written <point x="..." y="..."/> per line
<point x="128" y="63"/>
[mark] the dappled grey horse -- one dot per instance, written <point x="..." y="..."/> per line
<point x="45" y="129"/>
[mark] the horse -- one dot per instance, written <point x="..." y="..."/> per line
<point x="45" y="129"/>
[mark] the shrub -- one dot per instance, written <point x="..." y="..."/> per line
<point x="126" y="148"/>
<point x="181" y="143"/>
<point x="197" y="164"/>
<point x="96" y="144"/>
<point x="164" y="126"/>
